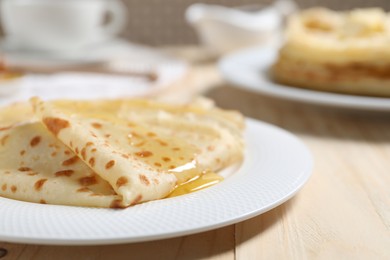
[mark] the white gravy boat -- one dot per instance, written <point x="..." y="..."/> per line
<point x="224" y="29"/>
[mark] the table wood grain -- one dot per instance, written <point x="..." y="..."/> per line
<point x="343" y="212"/>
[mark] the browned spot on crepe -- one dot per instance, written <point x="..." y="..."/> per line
<point x="53" y="145"/>
<point x="66" y="173"/>
<point x="70" y="161"/>
<point x="42" y="201"/>
<point x="144" y="179"/>
<point x="32" y="174"/>
<point x="121" y="181"/>
<point x="110" y="164"/>
<point x="136" y="200"/>
<point x="89" y="144"/>
<point x="14" y="188"/>
<point x="97" y="125"/>
<point x="116" y="204"/>
<point x="4" y="187"/>
<point x="162" y="143"/>
<point x="166" y="159"/>
<point x="4" y="139"/>
<point x="87" y="181"/>
<point x="55" y="125"/>
<point x="144" y="154"/>
<point x="134" y="134"/>
<point x="5" y="128"/>
<point x="35" y="141"/>
<point x="22" y="152"/>
<point x="92" y="161"/>
<point x="83" y="189"/>
<point x="140" y="144"/>
<point x="39" y="183"/>
<point x="83" y="153"/>
<point x="24" y="169"/>
<point x="157" y="164"/>
<point x="95" y="194"/>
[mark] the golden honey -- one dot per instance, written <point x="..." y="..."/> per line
<point x="199" y="182"/>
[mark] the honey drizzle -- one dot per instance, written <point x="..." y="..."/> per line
<point x="199" y="182"/>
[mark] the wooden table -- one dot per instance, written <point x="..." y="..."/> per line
<point x="343" y="212"/>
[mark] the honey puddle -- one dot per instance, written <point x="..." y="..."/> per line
<point x="199" y="182"/>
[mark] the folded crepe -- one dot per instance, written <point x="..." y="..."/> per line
<point x="113" y="153"/>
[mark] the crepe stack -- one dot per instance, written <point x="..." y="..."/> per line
<point x="346" y="52"/>
<point x="113" y="153"/>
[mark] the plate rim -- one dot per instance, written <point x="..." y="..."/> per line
<point x="252" y="125"/>
<point x="231" y="66"/>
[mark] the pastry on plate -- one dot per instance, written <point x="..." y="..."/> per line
<point x="345" y="52"/>
<point x="113" y="153"/>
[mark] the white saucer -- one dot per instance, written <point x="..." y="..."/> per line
<point x="21" y="56"/>
<point x="119" y="54"/>
<point x="100" y="52"/>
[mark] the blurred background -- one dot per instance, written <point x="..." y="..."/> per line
<point x="131" y="46"/>
<point x="158" y="22"/>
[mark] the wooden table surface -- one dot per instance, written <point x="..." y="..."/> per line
<point x="343" y="212"/>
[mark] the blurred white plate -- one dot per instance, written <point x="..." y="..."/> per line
<point x="121" y="55"/>
<point x="109" y="50"/>
<point x="249" y="68"/>
<point x="275" y="167"/>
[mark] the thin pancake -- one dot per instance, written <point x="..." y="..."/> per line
<point x="36" y="167"/>
<point x="113" y="153"/>
<point x="216" y="133"/>
<point x="142" y="159"/>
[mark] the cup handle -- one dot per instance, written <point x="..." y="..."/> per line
<point x="118" y="18"/>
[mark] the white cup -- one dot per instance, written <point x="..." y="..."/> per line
<point x="60" y="25"/>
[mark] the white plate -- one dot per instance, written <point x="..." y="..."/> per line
<point x="109" y="50"/>
<point x="275" y="167"/>
<point x="92" y="54"/>
<point x="249" y="69"/>
<point x="121" y="55"/>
